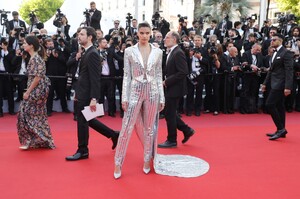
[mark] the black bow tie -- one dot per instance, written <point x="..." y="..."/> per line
<point x="275" y="50"/>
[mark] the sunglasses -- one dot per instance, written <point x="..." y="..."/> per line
<point x="274" y="39"/>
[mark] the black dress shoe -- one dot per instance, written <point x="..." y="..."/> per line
<point x="272" y="134"/>
<point x="114" y="140"/>
<point x="188" y="135"/>
<point x="188" y="114"/>
<point x="278" y="134"/>
<point x="77" y="156"/>
<point x="197" y="113"/>
<point x="167" y="144"/>
<point x="1" y="114"/>
<point x="12" y="113"/>
<point x="66" y="111"/>
<point x="111" y="114"/>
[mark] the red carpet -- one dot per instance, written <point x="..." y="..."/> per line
<point x="243" y="162"/>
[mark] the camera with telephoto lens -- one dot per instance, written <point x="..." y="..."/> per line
<point x="181" y="18"/>
<point x="192" y="77"/>
<point x="87" y="12"/>
<point x="213" y="49"/>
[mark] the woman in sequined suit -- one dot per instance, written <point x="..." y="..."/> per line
<point x="142" y="97"/>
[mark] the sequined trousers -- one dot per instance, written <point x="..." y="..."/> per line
<point x="141" y="115"/>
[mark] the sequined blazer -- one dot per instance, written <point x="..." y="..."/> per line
<point x="135" y="71"/>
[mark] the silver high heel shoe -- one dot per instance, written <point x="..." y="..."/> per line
<point x="118" y="175"/>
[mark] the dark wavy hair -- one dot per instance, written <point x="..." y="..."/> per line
<point x="37" y="47"/>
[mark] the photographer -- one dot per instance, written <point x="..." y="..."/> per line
<point x="115" y="28"/>
<point x="286" y="24"/>
<point x="213" y="30"/>
<point x="19" y="63"/>
<point x="233" y="67"/>
<point x="252" y="62"/>
<point x="56" y="66"/>
<point x="214" y="86"/>
<point x="235" y="38"/>
<point x="16" y="36"/>
<point x="291" y="43"/>
<point x="160" y="24"/>
<point x="16" y="22"/>
<point x="266" y="44"/>
<point x="198" y="65"/>
<point x="61" y="22"/>
<point x="182" y="28"/>
<point x="6" y="84"/>
<point x="95" y="16"/>
<point x="73" y="68"/>
<point x="224" y="26"/>
<point x="132" y="30"/>
<point x="297" y="78"/>
<point x="35" y="23"/>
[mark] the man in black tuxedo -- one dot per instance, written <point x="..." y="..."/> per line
<point x="87" y="92"/>
<point x="213" y="30"/>
<point x="175" y="87"/>
<point x="16" y="22"/>
<point x="95" y="16"/>
<point x="132" y="31"/>
<point x="280" y="77"/>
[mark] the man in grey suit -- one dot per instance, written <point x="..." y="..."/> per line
<point x="280" y="77"/>
<point x="175" y="87"/>
<point x="87" y="92"/>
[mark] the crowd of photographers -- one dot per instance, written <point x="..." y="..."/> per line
<point x="226" y="61"/>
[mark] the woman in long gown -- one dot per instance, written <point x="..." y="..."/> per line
<point x="32" y="125"/>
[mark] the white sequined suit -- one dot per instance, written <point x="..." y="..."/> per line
<point x="143" y="90"/>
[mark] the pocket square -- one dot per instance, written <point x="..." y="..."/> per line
<point x="278" y="57"/>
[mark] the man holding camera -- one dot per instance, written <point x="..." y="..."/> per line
<point x="5" y="81"/>
<point x="95" y="16"/>
<point x="16" y="22"/>
<point x="197" y="65"/>
<point x="56" y="66"/>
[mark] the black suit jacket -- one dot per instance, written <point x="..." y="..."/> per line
<point x="176" y="71"/>
<point x="95" y="19"/>
<point x="247" y="57"/>
<point x="11" y="25"/>
<point x="217" y="32"/>
<point x="111" y="55"/>
<point x="280" y="74"/>
<point x="88" y="84"/>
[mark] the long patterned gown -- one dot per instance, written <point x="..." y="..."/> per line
<point x="32" y="125"/>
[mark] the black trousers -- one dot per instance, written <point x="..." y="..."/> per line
<point x="275" y="106"/>
<point x="6" y="89"/>
<point x="21" y="83"/>
<point x="119" y="84"/>
<point x="83" y="127"/>
<point x="173" y="121"/>
<point x="59" y="86"/>
<point x="108" y="89"/>
<point x="191" y="102"/>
